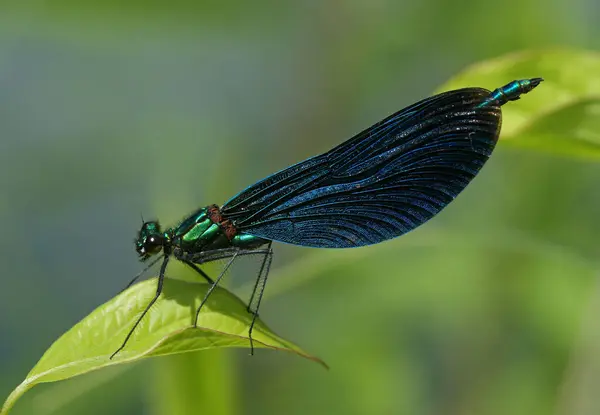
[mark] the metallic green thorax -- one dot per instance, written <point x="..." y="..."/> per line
<point x="203" y="230"/>
<point x="199" y="233"/>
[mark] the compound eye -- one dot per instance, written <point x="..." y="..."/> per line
<point x="150" y="240"/>
<point x="153" y="244"/>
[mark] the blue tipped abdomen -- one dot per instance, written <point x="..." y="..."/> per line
<point x="510" y="92"/>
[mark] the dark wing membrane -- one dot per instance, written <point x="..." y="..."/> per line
<point x="378" y="185"/>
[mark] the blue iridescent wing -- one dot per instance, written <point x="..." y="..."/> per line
<point x="381" y="183"/>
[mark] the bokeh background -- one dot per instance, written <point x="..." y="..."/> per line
<point x="110" y="108"/>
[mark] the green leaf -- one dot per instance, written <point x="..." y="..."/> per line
<point x="561" y="116"/>
<point x="166" y="329"/>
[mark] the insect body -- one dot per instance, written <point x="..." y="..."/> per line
<point x="378" y="185"/>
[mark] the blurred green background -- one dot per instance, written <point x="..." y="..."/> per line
<point x="111" y="108"/>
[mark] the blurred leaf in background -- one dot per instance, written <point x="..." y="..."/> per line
<point x="111" y="108"/>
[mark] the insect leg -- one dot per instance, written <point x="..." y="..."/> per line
<point x="259" y="286"/>
<point x="213" y="286"/>
<point x="141" y="273"/>
<point x="159" y="287"/>
<point x="199" y="271"/>
<point x="209" y="256"/>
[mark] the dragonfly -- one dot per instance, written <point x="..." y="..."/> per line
<point x="380" y="184"/>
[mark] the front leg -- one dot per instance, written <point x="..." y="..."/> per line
<point x="134" y="279"/>
<point x="159" y="287"/>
